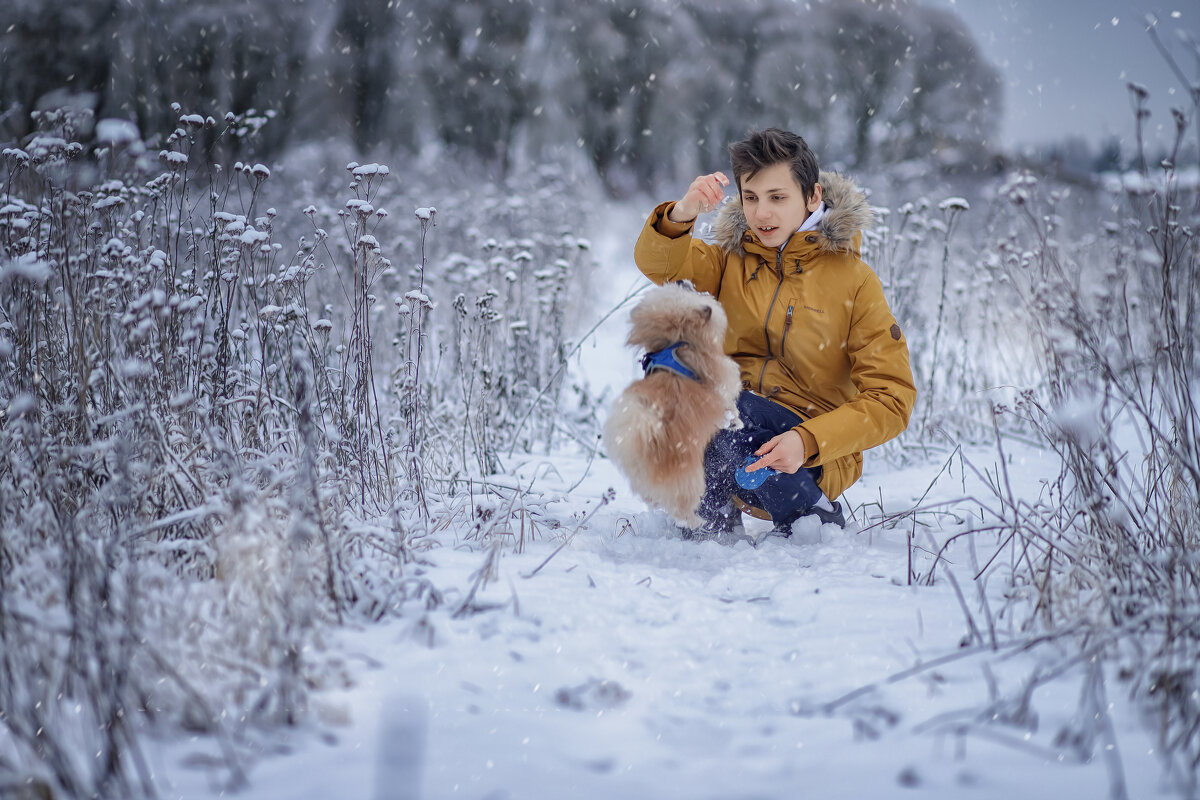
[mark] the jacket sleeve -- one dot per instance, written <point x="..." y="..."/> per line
<point x="666" y="251"/>
<point x="880" y="371"/>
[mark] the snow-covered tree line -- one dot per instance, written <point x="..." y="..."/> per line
<point x="635" y="88"/>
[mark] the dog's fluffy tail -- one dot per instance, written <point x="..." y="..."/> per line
<point x="634" y="431"/>
<point x="649" y="438"/>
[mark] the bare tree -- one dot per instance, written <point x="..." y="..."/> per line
<point x="871" y="45"/>
<point x="364" y="33"/>
<point x="952" y="97"/>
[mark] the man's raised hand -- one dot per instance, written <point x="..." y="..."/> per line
<point x="702" y="196"/>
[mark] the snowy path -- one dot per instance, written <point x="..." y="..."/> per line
<point x="639" y="665"/>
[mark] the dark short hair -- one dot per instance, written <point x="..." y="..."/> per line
<point x="762" y="149"/>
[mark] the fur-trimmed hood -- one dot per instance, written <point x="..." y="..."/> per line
<point x="848" y="214"/>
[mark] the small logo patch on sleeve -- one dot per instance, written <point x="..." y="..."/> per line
<point x="896" y="332"/>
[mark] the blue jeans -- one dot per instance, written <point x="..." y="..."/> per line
<point x="785" y="497"/>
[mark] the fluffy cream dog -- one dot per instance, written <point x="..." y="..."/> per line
<point x="659" y="426"/>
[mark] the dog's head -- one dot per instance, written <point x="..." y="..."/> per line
<point x="677" y="313"/>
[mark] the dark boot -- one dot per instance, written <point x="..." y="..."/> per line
<point x="827" y="517"/>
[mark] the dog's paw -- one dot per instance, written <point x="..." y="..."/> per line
<point x="654" y="524"/>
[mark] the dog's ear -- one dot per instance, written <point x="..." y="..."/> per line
<point x="705" y="313"/>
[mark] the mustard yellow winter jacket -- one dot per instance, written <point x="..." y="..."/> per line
<point x="808" y="325"/>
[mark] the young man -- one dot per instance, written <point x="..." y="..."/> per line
<point x="824" y="366"/>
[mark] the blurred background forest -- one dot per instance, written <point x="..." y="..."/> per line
<point x="637" y="90"/>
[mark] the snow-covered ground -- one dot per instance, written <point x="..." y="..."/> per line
<point x="633" y="664"/>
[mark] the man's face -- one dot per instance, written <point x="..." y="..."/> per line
<point x="774" y="204"/>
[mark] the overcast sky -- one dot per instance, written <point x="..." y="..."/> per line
<point x="1066" y="63"/>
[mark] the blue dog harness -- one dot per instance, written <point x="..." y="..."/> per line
<point x="665" y="359"/>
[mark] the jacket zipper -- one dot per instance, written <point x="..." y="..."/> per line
<point x="767" y="322"/>
<point x="787" y="326"/>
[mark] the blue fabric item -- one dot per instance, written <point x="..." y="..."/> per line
<point x="665" y="359"/>
<point x="785" y="497"/>
<point x="752" y="480"/>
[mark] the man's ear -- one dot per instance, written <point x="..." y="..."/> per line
<point x="814" y="202"/>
